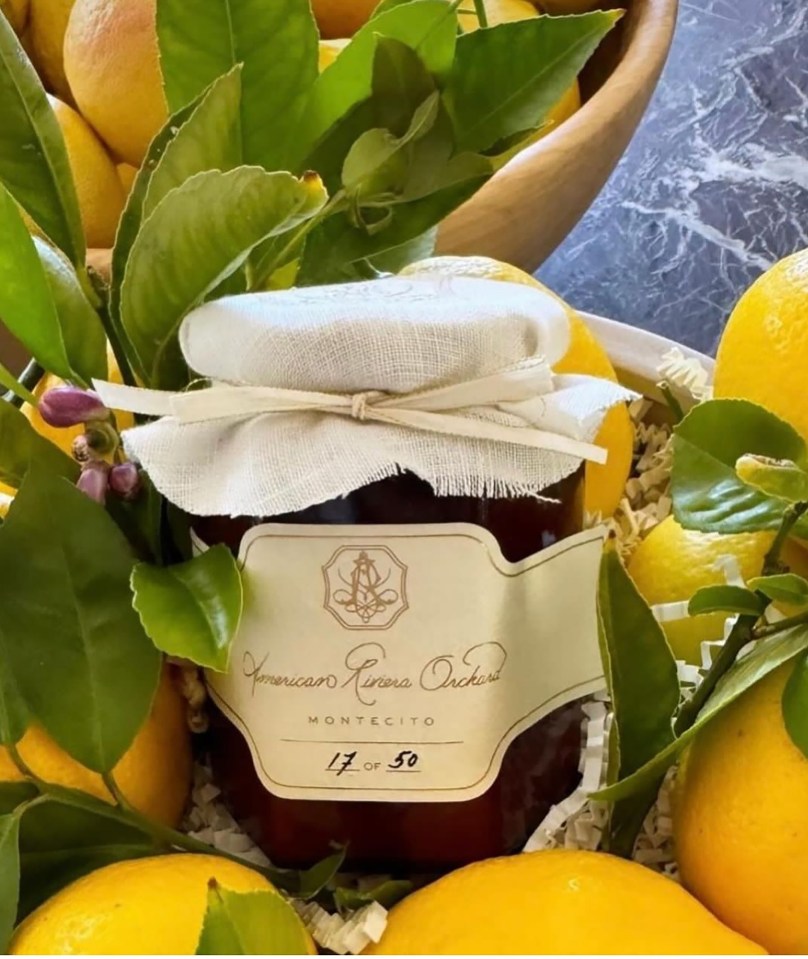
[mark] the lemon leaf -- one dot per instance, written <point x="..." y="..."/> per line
<point x="199" y="234"/>
<point x="13" y="712"/>
<point x="707" y="492"/>
<point x="21" y="447"/>
<point x="86" y="670"/>
<point x="428" y="27"/>
<point x="780" y="478"/>
<point x="80" y="327"/>
<point x="250" y="924"/>
<point x="66" y="837"/>
<point x="795" y="705"/>
<point x="725" y="599"/>
<point x="782" y="588"/>
<point x="9" y="876"/>
<point x="764" y="658"/>
<point x="276" y="43"/>
<point x="506" y="79"/>
<point x="386" y="893"/>
<point x="643" y="687"/>
<point x="191" y="610"/>
<point x="33" y="158"/>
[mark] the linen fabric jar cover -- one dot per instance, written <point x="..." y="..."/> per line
<point x="319" y="391"/>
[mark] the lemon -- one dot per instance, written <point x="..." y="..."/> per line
<point x="329" y="51"/>
<point x="48" y="23"/>
<point x="740" y="827"/>
<point x="604" y="484"/>
<point x="567" y="106"/>
<point x="100" y="191"/>
<point x="763" y="351"/>
<point x="112" y="65"/>
<point x="154" y="775"/>
<point x="127" y="174"/>
<point x="497" y="11"/>
<point x="153" y="906"/>
<point x="16" y="12"/>
<point x="555" y="902"/>
<point x="672" y="563"/>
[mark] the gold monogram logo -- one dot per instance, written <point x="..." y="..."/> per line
<point x="365" y="587"/>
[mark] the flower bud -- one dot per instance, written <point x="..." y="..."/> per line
<point x="70" y="406"/>
<point x="94" y="480"/>
<point x="124" y="480"/>
<point x="82" y="453"/>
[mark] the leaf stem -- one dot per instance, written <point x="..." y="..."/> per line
<point x="482" y="13"/>
<point x="117" y="347"/>
<point x="741" y="635"/>
<point x="772" y="629"/>
<point x="673" y="403"/>
<point x="771" y="561"/>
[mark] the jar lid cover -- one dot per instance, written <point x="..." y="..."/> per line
<point x="319" y="391"/>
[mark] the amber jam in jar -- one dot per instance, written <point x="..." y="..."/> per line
<point x="538" y="769"/>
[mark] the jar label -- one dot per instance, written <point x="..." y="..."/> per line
<point x="398" y="663"/>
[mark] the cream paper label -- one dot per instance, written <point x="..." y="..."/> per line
<point x="394" y="663"/>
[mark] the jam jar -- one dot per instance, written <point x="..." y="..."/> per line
<point x="538" y="769"/>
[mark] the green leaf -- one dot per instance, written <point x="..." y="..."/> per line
<point x="400" y="84"/>
<point x="21" y="447"/>
<point x="251" y="924"/>
<point x="33" y="159"/>
<point x="726" y="599"/>
<point x="81" y="330"/>
<point x="275" y="42"/>
<point x="782" y="588"/>
<point x="132" y="216"/>
<point x="313" y="880"/>
<point x="763" y="659"/>
<point x="66" y="838"/>
<point x="707" y="492"/>
<point x="10" y="383"/>
<point x="386" y="893"/>
<point x="192" y="610"/>
<point x="13" y="794"/>
<point x="86" y="669"/>
<point x="26" y="303"/>
<point x="9" y="876"/>
<point x="507" y="78"/>
<point x="780" y="478"/>
<point x="428" y="27"/>
<point x="197" y="236"/>
<point x="14" y="719"/>
<point x="643" y="687"/>
<point x="795" y="705"/>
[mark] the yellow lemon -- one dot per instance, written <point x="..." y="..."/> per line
<point x="740" y="828"/>
<point x="127" y="174"/>
<point x="16" y="12"/>
<point x="112" y="64"/>
<point x="497" y="11"/>
<point x="763" y="351"/>
<point x="329" y="51"/>
<point x="672" y="563"/>
<point x="553" y="903"/>
<point x="100" y="191"/>
<point x="144" y="907"/>
<point x="604" y="484"/>
<point x="154" y="775"/>
<point x="48" y="23"/>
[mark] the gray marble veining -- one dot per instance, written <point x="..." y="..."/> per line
<point x="713" y="189"/>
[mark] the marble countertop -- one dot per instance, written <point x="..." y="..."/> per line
<point x="714" y="187"/>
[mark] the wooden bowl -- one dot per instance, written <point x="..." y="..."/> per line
<point x="530" y="206"/>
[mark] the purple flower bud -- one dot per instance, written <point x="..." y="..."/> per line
<point x="94" y="480"/>
<point x="69" y="406"/>
<point x="124" y="480"/>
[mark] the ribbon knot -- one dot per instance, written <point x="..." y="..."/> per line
<point x="359" y="406"/>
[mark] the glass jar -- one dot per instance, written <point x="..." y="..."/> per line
<point x="538" y="769"/>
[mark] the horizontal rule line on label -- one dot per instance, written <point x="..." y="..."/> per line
<point x="374" y="742"/>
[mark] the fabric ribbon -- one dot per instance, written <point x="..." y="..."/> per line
<point x="441" y="410"/>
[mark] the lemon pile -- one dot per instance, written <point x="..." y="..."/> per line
<point x="100" y="61"/>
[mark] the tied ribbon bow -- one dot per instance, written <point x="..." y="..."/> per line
<point x="440" y="410"/>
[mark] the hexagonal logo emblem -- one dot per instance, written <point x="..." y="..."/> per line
<point x="365" y="587"/>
